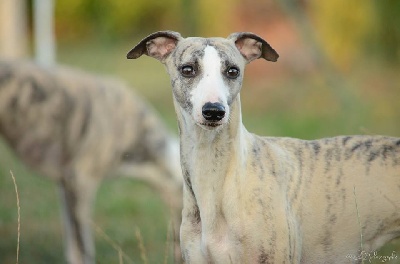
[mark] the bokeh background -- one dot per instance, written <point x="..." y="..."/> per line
<point x="338" y="73"/>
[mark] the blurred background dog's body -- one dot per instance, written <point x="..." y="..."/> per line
<point x="76" y="129"/>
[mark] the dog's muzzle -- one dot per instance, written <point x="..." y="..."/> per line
<point x="213" y="112"/>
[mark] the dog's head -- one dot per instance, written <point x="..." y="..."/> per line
<point x="206" y="73"/>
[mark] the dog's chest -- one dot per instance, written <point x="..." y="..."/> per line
<point x="238" y="219"/>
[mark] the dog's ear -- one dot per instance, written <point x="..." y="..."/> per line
<point x="253" y="47"/>
<point x="157" y="45"/>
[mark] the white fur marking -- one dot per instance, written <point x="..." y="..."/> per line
<point x="211" y="87"/>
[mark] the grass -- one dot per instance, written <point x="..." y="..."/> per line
<point x="19" y="216"/>
<point x="274" y="104"/>
<point x="121" y="206"/>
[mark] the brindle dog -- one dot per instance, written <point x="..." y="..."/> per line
<point x="252" y="199"/>
<point x="76" y="128"/>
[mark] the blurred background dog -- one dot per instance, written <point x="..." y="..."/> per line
<point x="76" y="129"/>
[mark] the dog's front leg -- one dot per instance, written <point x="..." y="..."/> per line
<point x="77" y="195"/>
<point x="190" y="232"/>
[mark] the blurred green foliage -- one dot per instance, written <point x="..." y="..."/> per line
<point x="116" y="19"/>
<point x="112" y="19"/>
<point x="349" y="31"/>
<point x="358" y="30"/>
<point x="386" y="39"/>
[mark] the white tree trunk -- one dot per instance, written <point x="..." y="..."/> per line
<point x="43" y="24"/>
<point x="13" y="29"/>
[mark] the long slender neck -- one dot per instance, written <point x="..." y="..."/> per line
<point x="211" y="158"/>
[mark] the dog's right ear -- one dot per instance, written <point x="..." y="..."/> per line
<point x="157" y="45"/>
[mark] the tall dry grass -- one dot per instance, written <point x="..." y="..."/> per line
<point x="19" y="215"/>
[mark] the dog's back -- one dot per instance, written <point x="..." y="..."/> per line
<point x="343" y="184"/>
<point x="52" y="117"/>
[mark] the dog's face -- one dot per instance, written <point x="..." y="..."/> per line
<point x="206" y="73"/>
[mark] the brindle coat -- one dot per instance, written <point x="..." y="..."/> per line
<point x="252" y="199"/>
<point x="76" y="128"/>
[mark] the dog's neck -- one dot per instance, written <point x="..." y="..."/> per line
<point x="195" y="139"/>
<point x="210" y="158"/>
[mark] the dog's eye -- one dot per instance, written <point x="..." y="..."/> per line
<point x="187" y="71"/>
<point x="232" y="72"/>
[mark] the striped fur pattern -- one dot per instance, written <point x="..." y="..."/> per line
<point x="76" y="128"/>
<point x="252" y="199"/>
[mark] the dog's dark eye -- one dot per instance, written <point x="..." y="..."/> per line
<point x="187" y="71"/>
<point x="232" y="72"/>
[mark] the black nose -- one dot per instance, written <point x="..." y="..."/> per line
<point x="213" y="111"/>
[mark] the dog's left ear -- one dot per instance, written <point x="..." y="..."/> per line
<point x="157" y="45"/>
<point x="253" y="47"/>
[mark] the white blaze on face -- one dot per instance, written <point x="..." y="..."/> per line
<point x="211" y="88"/>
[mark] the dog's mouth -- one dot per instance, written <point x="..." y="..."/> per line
<point x="210" y="125"/>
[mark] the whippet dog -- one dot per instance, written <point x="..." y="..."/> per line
<point x="251" y="199"/>
<point x="76" y="129"/>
